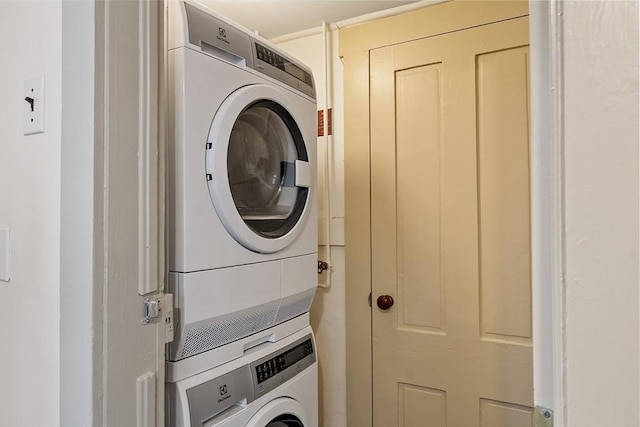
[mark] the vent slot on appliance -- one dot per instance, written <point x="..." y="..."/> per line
<point x="295" y="305"/>
<point x="222" y="54"/>
<point x="211" y="333"/>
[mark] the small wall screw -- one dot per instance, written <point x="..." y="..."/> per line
<point x="546" y="414"/>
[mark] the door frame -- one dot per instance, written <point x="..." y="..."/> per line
<point x="112" y="213"/>
<point x="547" y="237"/>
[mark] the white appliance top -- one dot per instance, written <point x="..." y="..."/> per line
<point x="194" y="26"/>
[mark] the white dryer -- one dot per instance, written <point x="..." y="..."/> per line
<point x="272" y="385"/>
<point x="242" y="224"/>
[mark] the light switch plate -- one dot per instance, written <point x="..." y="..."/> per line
<point x="5" y="255"/>
<point x="33" y="106"/>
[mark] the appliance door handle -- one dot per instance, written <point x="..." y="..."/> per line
<point x="304" y="176"/>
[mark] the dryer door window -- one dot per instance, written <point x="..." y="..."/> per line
<point x="258" y="168"/>
<point x="264" y="146"/>
<point x="286" y="421"/>
<point x="280" y="412"/>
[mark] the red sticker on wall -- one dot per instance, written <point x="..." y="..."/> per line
<point x="321" y="123"/>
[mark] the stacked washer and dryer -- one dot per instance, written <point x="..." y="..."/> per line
<point x="242" y="227"/>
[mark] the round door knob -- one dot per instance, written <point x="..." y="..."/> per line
<point x="384" y="302"/>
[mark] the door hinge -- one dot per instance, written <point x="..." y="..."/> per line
<point x="542" y="417"/>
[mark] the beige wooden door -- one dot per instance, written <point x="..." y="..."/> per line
<point x="450" y="230"/>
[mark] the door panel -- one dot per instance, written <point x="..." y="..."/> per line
<point x="450" y="229"/>
<point x="418" y="404"/>
<point x="418" y="196"/>
<point x="501" y="414"/>
<point x="503" y="183"/>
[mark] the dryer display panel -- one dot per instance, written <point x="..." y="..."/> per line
<point x="272" y="58"/>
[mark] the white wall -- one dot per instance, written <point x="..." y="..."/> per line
<point x="30" y="45"/>
<point x="601" y="186"/>
<point x="328" y="311"/>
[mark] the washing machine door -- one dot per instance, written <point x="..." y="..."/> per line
<point x="286" y="421"/>
<point x="257" y="168"/>
<point x="280" y="412"/>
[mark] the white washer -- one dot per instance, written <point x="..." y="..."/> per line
<point x="242" y="216"/>
<point x="272" y="385"/>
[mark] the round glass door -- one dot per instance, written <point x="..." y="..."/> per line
<point x="264" y="145"/>
<point x="286" y="421"/>
<point x="258" y="170"/>
<point x="280" y="412"/>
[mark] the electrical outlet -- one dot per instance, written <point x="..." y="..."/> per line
<point x="33" y="106"/>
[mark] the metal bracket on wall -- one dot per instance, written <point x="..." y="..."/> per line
<point x="542" y="417"/>
<point x="322" y="266"/>
<point x="150" y="310"/>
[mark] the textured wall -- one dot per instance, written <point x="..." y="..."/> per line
<point x="601" y="183"/>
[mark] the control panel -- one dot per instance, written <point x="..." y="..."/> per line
<point x="273" y="370"/>
<point x="272" y="58"/>
<point x="275" y="65"/>
<point x="272" y="367"/>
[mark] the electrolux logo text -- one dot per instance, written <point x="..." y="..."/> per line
<point x="224" y="393"/>
<point x="222" y="35"/>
